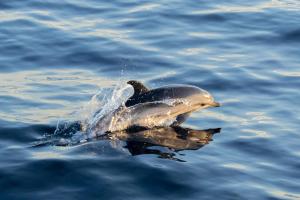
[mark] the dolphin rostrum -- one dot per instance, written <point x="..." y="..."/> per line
<point x="167" y="105"/>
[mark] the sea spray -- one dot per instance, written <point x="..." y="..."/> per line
<point x="95" y="117"/>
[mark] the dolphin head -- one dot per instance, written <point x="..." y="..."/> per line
<point x="201" y="98"/>
<point x="193" y="97"/>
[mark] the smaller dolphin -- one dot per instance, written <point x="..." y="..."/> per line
<point x="163" y="106"/>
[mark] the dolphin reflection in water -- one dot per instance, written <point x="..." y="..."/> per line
<point x="171" y="139"/>
<point x="166" y="142"/>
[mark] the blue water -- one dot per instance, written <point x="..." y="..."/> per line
<point x="55" y="55"/>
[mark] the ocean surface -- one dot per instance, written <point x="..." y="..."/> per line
<point x="55" y="56"/>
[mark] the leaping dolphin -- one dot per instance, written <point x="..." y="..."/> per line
<point x="167" y="105"/>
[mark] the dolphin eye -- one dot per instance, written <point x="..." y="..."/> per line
<point x="178" y="103"/>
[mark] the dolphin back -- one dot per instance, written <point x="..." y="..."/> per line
<point x="163" y="93"/>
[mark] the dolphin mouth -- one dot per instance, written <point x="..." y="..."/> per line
<point x="215" y="104"/>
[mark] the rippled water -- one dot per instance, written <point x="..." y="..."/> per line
<point x="54" y="56"/>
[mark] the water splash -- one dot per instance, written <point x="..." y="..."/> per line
<point x="104" y="102"/>
<point x="100" y="108"/>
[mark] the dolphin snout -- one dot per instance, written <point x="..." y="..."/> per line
<point x="215" y="104"/>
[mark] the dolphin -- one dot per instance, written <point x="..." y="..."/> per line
<point x="164" y="106"/>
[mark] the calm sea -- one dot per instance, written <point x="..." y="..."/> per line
<point x="55" y="55"/>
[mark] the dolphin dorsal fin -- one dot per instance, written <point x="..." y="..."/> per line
<point x="138" y="87"/>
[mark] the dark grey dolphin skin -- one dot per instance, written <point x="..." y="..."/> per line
<point x="194" y="98"/>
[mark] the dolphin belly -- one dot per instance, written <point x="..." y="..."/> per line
<point x="146" y="115"/>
